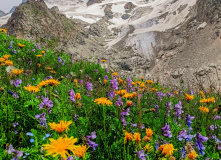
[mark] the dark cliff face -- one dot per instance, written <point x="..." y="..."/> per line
<point x="208" y="10"/>
<point x="34" y="20"/>
<point x="90" y="2"/>
<point x="2" y="13"/>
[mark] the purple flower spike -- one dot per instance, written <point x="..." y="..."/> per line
<point x="141" y="155"/>
<point x="166" y="131"/>
<point x="46" y="103"/>
<point x="89" y="86"/>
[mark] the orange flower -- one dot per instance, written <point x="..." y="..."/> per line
<point x="120" y="81"/>
<point x="152" y="109"/>
<point x="115" y="74"/>
<point x="3" y="30"/>
<point x="32" y="89"/>
<point x="6" y="57"/>
<point x="75" y="81"/>
<point x="39" y="65"/>
<point x="105" y="81"/>
<point x="52" y="71"/>
<point x="142" y="78"/>
<point x="149" y="82"/>
<point x="189" y="97"/>
<point x="21" y="45"/>
<point x="43" y="52"/>
<point x="192" y="155"/>
<point x="137" y="137"/>
<point x="121" y="92"/>
<point x="17" y="71"/>
<point x="128" y="137"/>
<point x="208" y="100"/>
<point x="204" y="109"/>
<point x="103" y="60"/>
<point x="146" y="139"/>
<point x="129" y="103"/>
<point x="201" y="93"/>
<point x="60" y="127"/>
<point x="9" y="63"/>
<point x="80" y="150"/>
<point x="48" y="68"/>
<point x="153" y="89"/>
<point x="2" y="59"/>
<point x="149" y="132"/>
<point x="78" y="96"/>
<point x="103" y="101"/>
<point x="39" y="55"/>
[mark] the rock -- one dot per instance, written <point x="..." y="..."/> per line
<point x="91" y="2"/>
<point x="129" y="6"/>
<point x="125" y="16"/>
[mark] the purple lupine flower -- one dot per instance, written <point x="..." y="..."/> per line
<point x="133" y="124"/>
<point x="89" y="86"/>
<point x="15" y="124"/>
<point x="216" y="117"/>
<point x="183" y="153"/>
<point x="183" y="135"/>
<point x="76" y="117"/>
<point x="157" y="109"/>
<point x="48" y="104"/>
<point x="129" y="83"/>
<point x="95" y="70"/>
<point x="123" y="120"/>
<point x="33" y="50"/>
<point x="63" y="61"/>
<point x="156" y="146"/>
<point x="141" y="155"/>
<point x="10" y="149"/>
<point x="15" y="52"/>
<point x="16" y="83"/>
<point x="168" y="108"/>
<point x="106" y="77"/>
<point x="93" y="145"/>
<point x="70" y="158"/>
<point x="59" y="59"/>
<point x="42" y="118"/>
<point x="169" y="94"/>
<point x="15" y="95"/>
<point x="191" y="92"/>
<point x="107" y="70"/>
<point x="111" y="94"/>
<point x="142" y="126"/>
<point x="178" y="109"/>
<point x="81" y="81"/>
<point x="166" y="131"/>
<point x="68" y="76"/>
<point x="119" y="103"/>
<point x="72" y="95"/>
<point x="114" y="83"/>
<point x="37" y="46"/>
<point x="126" y="113"/>
<point x="160" y="95"/>
<point x="99" y="60"/>
<point x="199" y="144"/>
<point x="189" y="121"/>
<point x="218" y="146"/>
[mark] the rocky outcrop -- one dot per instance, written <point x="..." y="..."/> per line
<point x="2" y="13"/>
<point x="91" y="2"/>
<point x="129" y="6"/>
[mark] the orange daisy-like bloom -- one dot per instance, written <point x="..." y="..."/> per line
<point x="128" y="137"/>
<point x="142" y="85"/>
<point x="120" y="81"/>
<point x="42" y="84"/>
<point x="6" y="57"/>
<point x="60" y="127"/>
<point x="146" y="139"/>
<point x="207" y="100"/>
<point x="201" y="93"/>
<point x="168" y="150"/>
<point x="61" y="146"/>
<point x="52" y="82"/>
<point x="39" y="65"/>
<point x="133" y="83"/>
<point x="153" y="89"/>
<point x="2" y="59"/>
<point x="137" y="137"/>
<point x="138" y="82"/>
<point x="204" y="109"/>
<point x="192" y="155"/>
<point x="105" y="81"/>
<point x="103" y="60"/>
<point x="3" y="30"/>
<point x="52" y="71"/>
<point x="43" y="52"/>
<point x="78" y="96"/>
<point x="48" y="68"/>
<point x="75" y="81"/>
<point x="17" y="71"/>
<point x="129" y="103"/>
<point x="121" y="92"/>
<point x="21" y="45"/>
<point x="189" y="97"/>
<point x="142" y="78"/>
<point x="176" y="92"/>
<point x="32" y="89"/>
<point x="103" y="101"/>
<point x="149" y="132"/>
<point x="153" y="109"/>
<point x="39" y="55"/>
<point x="149" y="82"/>
<point x="80" y="150"/>
<point x="8" y="62"/>
<point x="128" y="95"/>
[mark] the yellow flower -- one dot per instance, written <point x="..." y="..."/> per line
<point x="48" y="68"/>
<point x="17" y="71"/>
<point x="121" y="92"/>
<point x="192" y="155"/>
<point x="103" y="60"/>
<point x="6" y="57"/>
<point x="78" y="96"/>
<point x="61" y="146"/>
<point x="120" y="81"/>
<point x="115" y="74"/>
<point x="201" y="93"/>
<point x="9" y="63"/>
<point x="142" y="85"/>
<point x="176" y="92"/>
<point x="52" y="71"/>
<point x="204" y="109"/>
<point x="105" y="81"/>
<point x="148" y="148"/>
<point x="39" y="55"/>
<point x="207" y="100"/>
<point x="39" y="65"/>
<point x="75" y="81"/>
<point x="149" y="82"/>
<point x="52" y="82"/>
<point x="138" y="82"/>
<point x="2" y="59"/>
<point x="189" y="97"/>
<point x="3" y="30"/>
<point x="149" y="132"/>
<point x="32" y="89"/>
<point x="142" y="78"/>
<point x="60" y="127"/>
<point x="153" y="89"/>
<point x="42" y="84"/>
<point x="21" y="45"/>
<point x="133" y="83"/>
<point x="167" y="150"/>
<point x="128" y="137"/>
<point x="137" y="137"/>
<point x="43" y="52"/>
<point x="80" y="150"/>
<point x="103" y="101"/>
<point x="128" y="95"/>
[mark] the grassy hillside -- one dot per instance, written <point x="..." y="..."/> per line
<point x="52" y="108"/>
